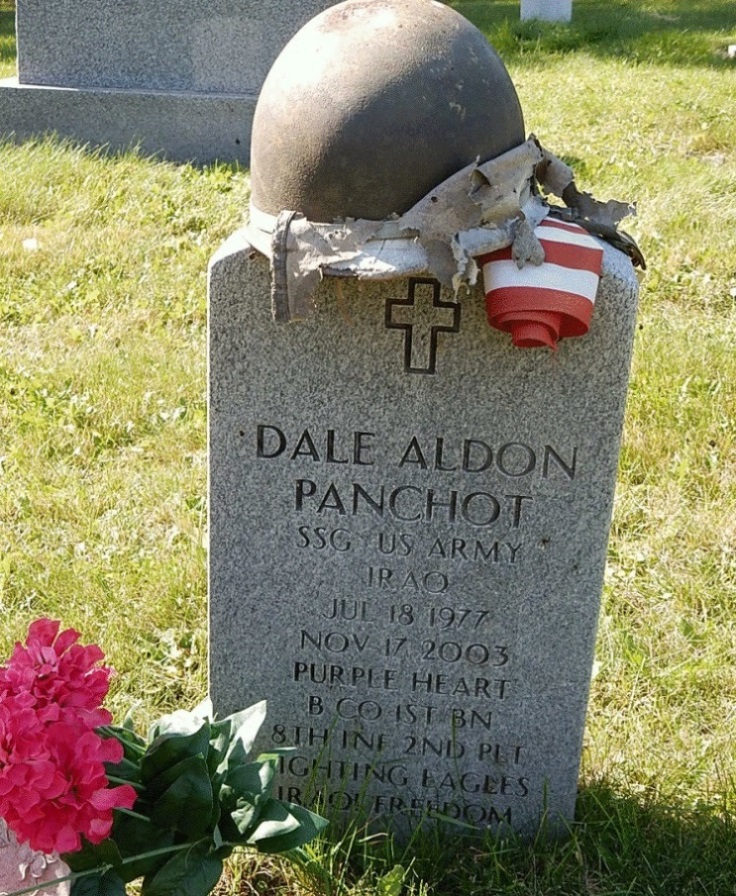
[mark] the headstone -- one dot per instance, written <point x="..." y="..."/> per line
<point x="547" y="10"/>
<point x="179" y="78"/>
<point x="408" y="529"/>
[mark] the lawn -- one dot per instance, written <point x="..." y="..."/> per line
<point x="103" y="447"/>
<point x="7" y="41"/>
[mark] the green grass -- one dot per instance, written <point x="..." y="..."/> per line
<point x="7" y="42"/>
<point x="103" y="451"/>
<point x="102" y="373"/>
<point x="675" y="32"/>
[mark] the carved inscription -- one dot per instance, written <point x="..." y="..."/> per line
<point x="405" y="677"/>
<point x="422" y="316"/>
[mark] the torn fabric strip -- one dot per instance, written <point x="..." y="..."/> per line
<point x="482" y="208"/>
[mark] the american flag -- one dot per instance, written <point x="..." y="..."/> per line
<point x="539" y="304"/>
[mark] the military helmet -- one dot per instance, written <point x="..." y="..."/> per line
<point x="372" y="104"/>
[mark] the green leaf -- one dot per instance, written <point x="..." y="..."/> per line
<point x="274" y="821"/>
<point x="156" y="786"/>
<point x="216" y="810"/>
<point x="234" y="735"/>
<point x="204" y="710"/>
<point x="125" y="733"/>
<point x="192" y="872"/>
<point x="187" y="804"/>
<point x="274" y="754"/>
<point x="391" y="883"/>
<point x="181" y="721"/>
<point x="309" y="825"/>
<point x="175" y="737"/>
<point x="252" y="780"/>
<point x="245" y="790"/>
<point x="107" y="884"/>
<point x="224" y="851"/>
<point x="93" y="855"/>
<point x="243" y="819"/>
<point x="138" y="837"/>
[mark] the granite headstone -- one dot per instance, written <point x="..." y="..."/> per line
<point x="547" y="10"/>
<point x="179" y="78"/>
<point x="408" y="530"/>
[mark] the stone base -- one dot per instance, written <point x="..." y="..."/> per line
<point x="178" y="126"/>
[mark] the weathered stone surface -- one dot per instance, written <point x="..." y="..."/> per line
<point x="407" y="541"/>
<point x="175" y="125"/>
<point x="205" y="46"/>
<point x="180" y="79"/>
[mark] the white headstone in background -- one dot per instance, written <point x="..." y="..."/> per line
<point x="547" y="10"/>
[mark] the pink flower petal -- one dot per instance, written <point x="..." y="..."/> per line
<point x="66" y="639"/>
<point x="43" y="631"/>
<point x="123" y="796"/>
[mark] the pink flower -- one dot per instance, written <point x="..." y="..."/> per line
<point x="61" y="675"/>
<point x="53" y="786"/>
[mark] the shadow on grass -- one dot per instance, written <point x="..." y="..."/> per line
<point x="667" y="32"/>
<point x="637" y="844"/>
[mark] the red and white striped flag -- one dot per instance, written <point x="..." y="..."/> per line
<point x="539" y="304"/>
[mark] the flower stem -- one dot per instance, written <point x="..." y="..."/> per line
<point x="101" y="869"/>
<point x="60" y="880"/>
<point x="134" y="784"/>
<point x="119" y="734"/>
<point x="131" y="813"/>
<point x="162" y="851"/>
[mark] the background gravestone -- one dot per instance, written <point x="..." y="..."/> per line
<point x="547" y="10"/>
<point x="181" y="77"/>
<point x="408" y="529"/>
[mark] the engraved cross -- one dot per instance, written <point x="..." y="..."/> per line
<point x="422" y="315"/>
